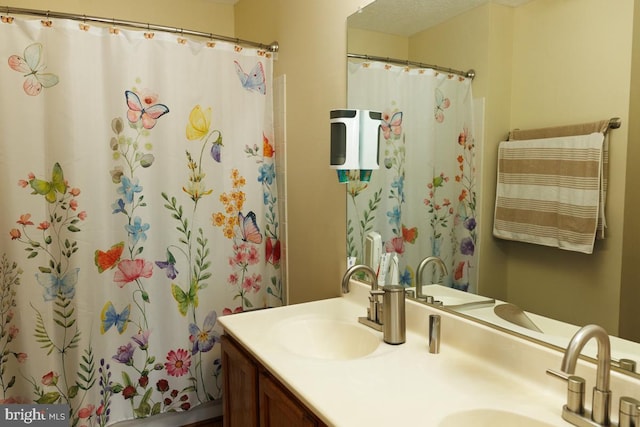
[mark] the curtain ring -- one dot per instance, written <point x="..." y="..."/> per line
<point x="114" y="30"/>
<point x="149" y="34"/>
<point x="211" y="43"/>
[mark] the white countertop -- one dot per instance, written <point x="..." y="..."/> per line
<point x="478" y="368"/>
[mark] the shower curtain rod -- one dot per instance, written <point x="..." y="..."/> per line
<point x="272" y="47"/>
<point x="470" y="73"/>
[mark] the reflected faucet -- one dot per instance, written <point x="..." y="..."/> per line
<point x="601" y="393"/>
<point x="428" y="260"/>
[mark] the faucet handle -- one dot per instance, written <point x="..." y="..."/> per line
<point x="629" y="412"/>
<point x="625" y="364"/>
<point x="575" y="390"/>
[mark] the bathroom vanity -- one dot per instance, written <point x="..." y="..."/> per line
<point x="254" y="397"/>
<point x="314" y="364"/>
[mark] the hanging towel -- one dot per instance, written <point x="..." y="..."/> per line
<point x="601" y="126"/>
<point x="550" y="191"/>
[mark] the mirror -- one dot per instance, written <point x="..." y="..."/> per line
<point x="539" y="63"/>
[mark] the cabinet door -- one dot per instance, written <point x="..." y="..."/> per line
<point x="240" y="386"/>
<point x="279" y="409"/>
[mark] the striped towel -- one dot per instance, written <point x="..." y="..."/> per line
<point x="550" y="191"/>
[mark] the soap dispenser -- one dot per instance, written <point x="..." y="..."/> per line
<point x="354" y="142"/>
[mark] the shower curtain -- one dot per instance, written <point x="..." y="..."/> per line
<point x="423" y="200"/>
<point x="139" y="206"/>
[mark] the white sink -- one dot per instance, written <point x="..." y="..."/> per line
<point x="490" y="418"/>
<point x="330" y="339"/>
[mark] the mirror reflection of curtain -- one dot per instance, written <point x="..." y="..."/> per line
<point x="139" y="205"/>
<point x="424" y="198"/>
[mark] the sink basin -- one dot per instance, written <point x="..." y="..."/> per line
<point x="330" y="339"/>
<point x="491" y="417"/>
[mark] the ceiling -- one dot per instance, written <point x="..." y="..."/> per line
<point x="407" y="17"/>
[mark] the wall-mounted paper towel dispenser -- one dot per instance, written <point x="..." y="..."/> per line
<point x="355" y="136"/>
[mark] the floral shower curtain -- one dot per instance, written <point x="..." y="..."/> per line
<point x="423" y="200"/>
<point x="139" y="205"/>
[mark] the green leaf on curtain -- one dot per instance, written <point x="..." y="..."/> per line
<point x="126" y="379"/>
<point x="44" y="270"/>
<point x="50" y="397"/>
<point x="73" y="391"/>
<point x="143" y="410"/>
<point x="155" y="410"/>
<point x="41" y="333"/>
<point x="87" y="370"/>
<point x="247" y="302"/>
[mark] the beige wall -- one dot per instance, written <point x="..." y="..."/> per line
<point x="377" y="44"/>
<point x="200" y="15"/>
<point x="312" y="37"/>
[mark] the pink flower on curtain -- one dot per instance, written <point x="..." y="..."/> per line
<point x="132" y="269"/>
<point x="396" y="245"/>
<point x="86" y="411"/>
<point x="178" y="362"/>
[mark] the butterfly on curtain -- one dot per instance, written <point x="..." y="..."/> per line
<point x="54" y="286"/>
<point x="391" y="124"/>
<point x="107" y="260"/>
<point x="137" y="112"/>
<point x="249" y="231"/>
<point x="31" y="65"/>
<point x="185" y="299"/>
<point x="48" y="189"/>
<point x="169" y="265"/>
<point x="267" y="147"/>
<point x="409" y="235"/>
<point x="441" y="104"/>
<point x="110" y="317"/>
<point x="255" y="80"/>
<point x="272" y="251"/>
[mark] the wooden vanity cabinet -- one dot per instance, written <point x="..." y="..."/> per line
<point x="253" y="397"/>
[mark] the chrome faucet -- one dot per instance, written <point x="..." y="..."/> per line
<point x="374" y="315"/>
<point x="601" y="394"/>
<point x="387" y="317"/>
<point x="428" y="260"/>
<point x="355" y="269"/>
